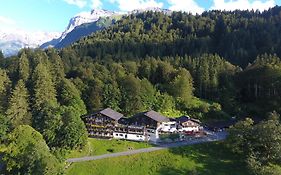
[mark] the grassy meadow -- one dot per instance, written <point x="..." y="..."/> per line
<point x="205" y="159"/>
<point x="103" y="146"/>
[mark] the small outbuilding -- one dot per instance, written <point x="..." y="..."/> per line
<point x="187" y="124"/>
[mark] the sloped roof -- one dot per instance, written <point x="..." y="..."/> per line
<point x="183" y="119"/>
<point x="111" y="113"/>
<point x="156" y="116"/>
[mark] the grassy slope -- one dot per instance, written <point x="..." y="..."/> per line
<point x="98" y="147"/>
<point x="205" y="159"/>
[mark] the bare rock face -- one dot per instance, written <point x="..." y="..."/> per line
<point x="86" y="17"/>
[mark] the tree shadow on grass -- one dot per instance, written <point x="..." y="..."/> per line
<point x="215" y="159"/>
<point x="175" y="171"/>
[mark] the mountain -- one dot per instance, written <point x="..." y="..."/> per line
<point x="12" y="41"/>
<point x="86" y="23"/>
<point x="85" y="30"/>
<point x="79" y="26"/>
<point x="86" y="17"/>
<point x="153" y="9"/>
<point x="50" y="43"/>
<point x="81" y="18"/>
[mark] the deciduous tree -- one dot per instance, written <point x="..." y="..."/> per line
<point x="28" y="153"/>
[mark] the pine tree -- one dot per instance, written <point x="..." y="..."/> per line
<point x="5" y="85"/>
<point x="48" y="122"/>
<point x="73" y="133"/>
<point x="23" y="69"/>
<point x="4" y="127"/>
<point x="46" y="112"/>
<point x="18" y="109"/>
<point x="44" y="89"/>
<point x="203" y="77"/>
<point x="57" y="68"/>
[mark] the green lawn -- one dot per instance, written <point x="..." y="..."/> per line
<point x="205" y="159"/>
<point x="103" y="146"/>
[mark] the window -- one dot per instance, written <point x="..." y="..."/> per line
<point x="121" y="135"/>
<point x="116" y="134"/>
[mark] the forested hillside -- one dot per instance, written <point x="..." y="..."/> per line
<point x="191" y="42"/>
<point x="44" y="94"/>
<point x="85" y="30"/>
<point x="238" y="36"/>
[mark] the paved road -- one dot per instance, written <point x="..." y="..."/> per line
<point x="210" y="138"/>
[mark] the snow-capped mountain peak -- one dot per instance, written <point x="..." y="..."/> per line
<point x="12" y="41"/>
<point x="30" y="38"/>
<point x="86" y="17"/>
<point x="79" y="19"/>
<point x="154" y="9"/>
<point x="102" y="12"/>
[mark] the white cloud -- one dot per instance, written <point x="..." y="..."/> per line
<point x="129" y="5"/>
<point x="96" y="4"/>
<point x="242" y="5"/>
<point x="79" y="3"/>
<point x="185" y="5"/>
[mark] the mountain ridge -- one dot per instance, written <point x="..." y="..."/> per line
<point x="91" y="18"/>
<point x="12" y="41"/>
<point x="85" y="30"/>
<point x="79" y="19"/>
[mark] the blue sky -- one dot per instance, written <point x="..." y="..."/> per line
<point x="53" y="15"/>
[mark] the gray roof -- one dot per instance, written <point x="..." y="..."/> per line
<point x="111" y="113"/>
<point x="156" y="116"/>
<point x="183" y="119"/>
